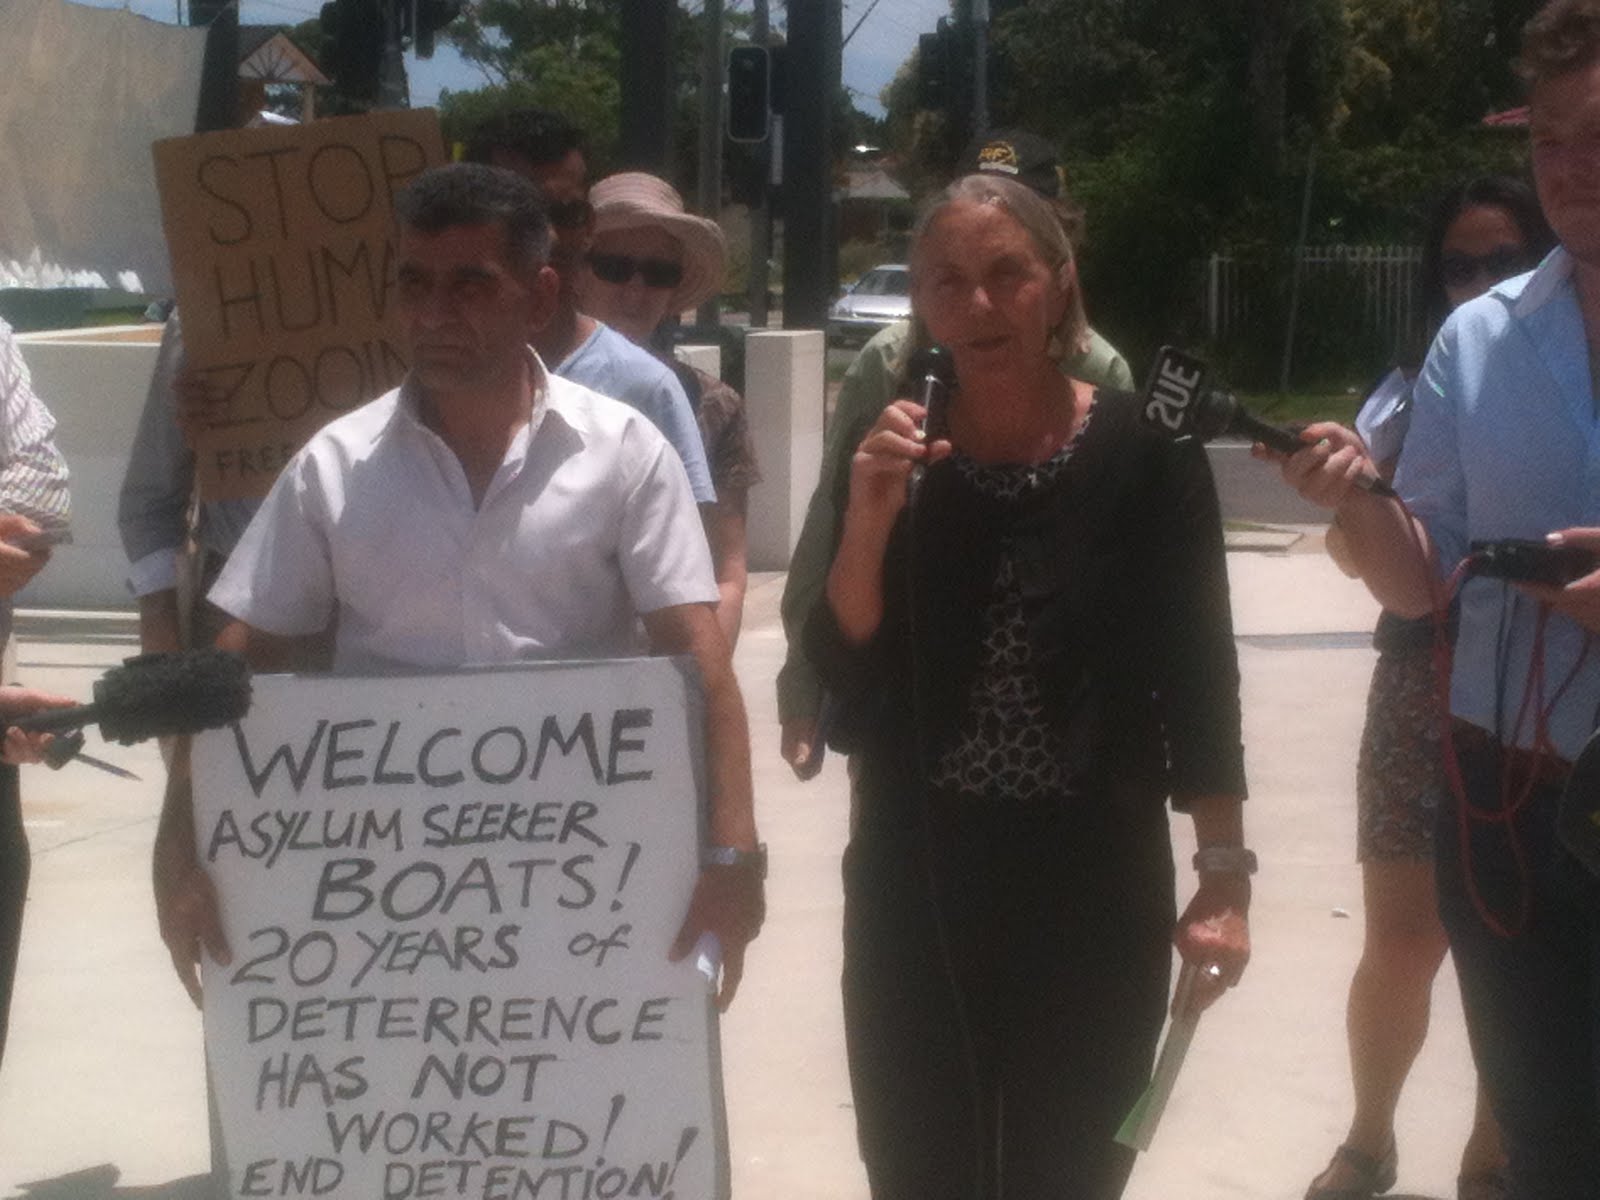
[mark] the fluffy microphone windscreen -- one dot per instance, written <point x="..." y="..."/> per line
<point x="159" y="694"/>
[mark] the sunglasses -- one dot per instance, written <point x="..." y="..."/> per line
<point x="1458" y="270"/>
<point x="620" y="268"/>
<point x="569" y="214"/>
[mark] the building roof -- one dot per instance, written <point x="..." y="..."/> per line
<point x="871" y="183"/>
<point x="266" y="53"/>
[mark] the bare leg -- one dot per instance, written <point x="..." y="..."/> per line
<point x="1387" y="1015"/>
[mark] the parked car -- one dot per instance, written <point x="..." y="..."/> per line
<point x="879" y="298"/>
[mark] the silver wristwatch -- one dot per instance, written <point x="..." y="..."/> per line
<point x="730" y="856"/>
<point x="1225" y="860"/>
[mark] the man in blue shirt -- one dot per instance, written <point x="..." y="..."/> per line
<point x="1505" y="442"/>
<point x="547" y="149"/>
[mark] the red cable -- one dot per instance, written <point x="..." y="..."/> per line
<point x="1542" y="747"/>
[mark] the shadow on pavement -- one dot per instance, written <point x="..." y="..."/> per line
<point x="100" y="1183"/>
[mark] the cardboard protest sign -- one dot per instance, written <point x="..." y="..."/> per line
<point x="449" y="901"/>
<point x="281" y="241"/>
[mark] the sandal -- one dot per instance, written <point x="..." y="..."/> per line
<point x="1484" y="1185"/>
<point x="1372" y="1176"/>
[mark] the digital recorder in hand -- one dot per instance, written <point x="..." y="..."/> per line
<point x="1525" y="561"/>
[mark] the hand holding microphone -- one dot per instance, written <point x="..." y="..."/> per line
<point x="1322" y="464"/>
<point x="152" y="695"/>
<point x="935" y="374"/>
<point x="888" y="464"/>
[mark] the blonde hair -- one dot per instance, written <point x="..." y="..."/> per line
<point x="1042" y="223"/>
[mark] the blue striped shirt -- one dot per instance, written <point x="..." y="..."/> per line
<point x="1505" y="442"/>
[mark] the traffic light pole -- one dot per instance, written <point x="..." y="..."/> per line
<point x="647" y="101"/>
<point x="761" y="210"/>
<point x="392" y="89"/>
<point x="810" y="254"/>
<point x="709" y="183"/>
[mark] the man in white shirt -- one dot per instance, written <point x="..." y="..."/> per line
<point x="485" y="511"/>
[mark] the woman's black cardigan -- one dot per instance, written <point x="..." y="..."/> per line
<point x="1125" y="593"/>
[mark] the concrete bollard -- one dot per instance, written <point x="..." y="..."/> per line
<point x="701" y="358"/>
<point x="785" y="376"/>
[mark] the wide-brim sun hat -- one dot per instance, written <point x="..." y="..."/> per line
<point x="636" y="200"/>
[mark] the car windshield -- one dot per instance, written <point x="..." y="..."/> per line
<point x="879" y="282"/>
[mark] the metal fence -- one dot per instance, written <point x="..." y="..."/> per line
<point x="1361" y="297"/>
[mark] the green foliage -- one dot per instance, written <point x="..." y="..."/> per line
<point x="1188" y="127"/>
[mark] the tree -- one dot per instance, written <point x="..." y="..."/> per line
<point x="1186" y="128"/>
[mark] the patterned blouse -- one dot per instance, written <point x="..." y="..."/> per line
<point x="1005" y="747"/>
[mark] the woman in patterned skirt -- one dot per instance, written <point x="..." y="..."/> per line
<point x="1031" y="651"/>
<point x="1481" y="232"/>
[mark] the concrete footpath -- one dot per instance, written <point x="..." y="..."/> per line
<point x="101" y="1094"/>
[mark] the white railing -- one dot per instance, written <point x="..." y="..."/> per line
<point x="1241" y="296"/>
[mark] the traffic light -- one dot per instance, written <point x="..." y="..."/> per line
<point x="354" y="29"/>
<point x="424" y="18"/>
<point x="749" y="93"/>
<point x="936" y="68"/>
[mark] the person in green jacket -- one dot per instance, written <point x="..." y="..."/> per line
<point x="867" y="389"/>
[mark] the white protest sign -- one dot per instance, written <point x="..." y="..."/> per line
<point x="449" y="901"/>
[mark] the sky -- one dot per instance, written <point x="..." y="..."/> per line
<point x="873" y="55"/>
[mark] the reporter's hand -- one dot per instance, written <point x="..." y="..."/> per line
<point x="730" y="902"/>
<point x="1214" y="935"/>
<point x="19" y="747"/>
<point x="1579" y="599"/>
<point x="799" y="740"/>
<point x="1326" y="469"/>
<point x="23" y="553"/>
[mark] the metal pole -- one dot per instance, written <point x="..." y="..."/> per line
<point x="760" y="212"/>
<point x="1294" y="280"/>
<point x="810" y="256"/>
<point x="709" y="189"/>
<point x="392" y="90"/>
<point x="647" y="101"/>
<point x="980" y="67"/>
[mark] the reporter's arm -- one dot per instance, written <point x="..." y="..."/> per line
<point x="1387" y="548"/>
<point x="19" y="747"/>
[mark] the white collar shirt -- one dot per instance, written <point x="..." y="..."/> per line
<point x="371" y="528"/>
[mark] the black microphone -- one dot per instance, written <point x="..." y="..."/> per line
<point x="934" y="372"/>
<point x="1178" y="402"/>
<point x="155" y="695"/>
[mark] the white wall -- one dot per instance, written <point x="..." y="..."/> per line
<point x="95" y="385"/>
<point x="96" y="390"/>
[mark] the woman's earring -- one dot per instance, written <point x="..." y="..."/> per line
<point x="1056" y="349"/>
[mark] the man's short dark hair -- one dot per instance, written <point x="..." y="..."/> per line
<point x="539" y="135"/>
<point x="475" y="194"/>
<point x="1562" y="37"/>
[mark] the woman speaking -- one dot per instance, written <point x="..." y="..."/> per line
<point x="1031" y="649"/>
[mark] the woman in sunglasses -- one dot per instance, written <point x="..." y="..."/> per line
<point x="1480" y="233"/>
<point x="647" y="261"/>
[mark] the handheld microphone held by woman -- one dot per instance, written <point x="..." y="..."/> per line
<point x="935" y="374"/>
<point x="156" y="695"/>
